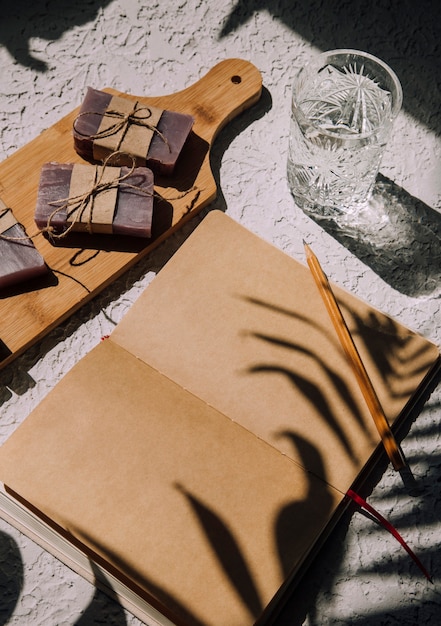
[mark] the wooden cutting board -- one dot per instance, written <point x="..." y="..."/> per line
<point x="82" y="265"/>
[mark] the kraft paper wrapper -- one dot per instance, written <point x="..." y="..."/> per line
<point x="98" y="214"/>
<point x="7" y="219"/>
<point x="132" y="138"/>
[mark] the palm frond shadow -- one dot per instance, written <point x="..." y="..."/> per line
<point x="332" y="376"/>
<point x="369" y="332"/>
<point x="315" y="395"/>
<point x="292" y="514"/>
<point x="228" y="552"/>
<point x="384" y="31"/>
<point x="156" y="592"/>
<point x="49" y="20"/>
<point x="99" y="604"/>
<point x="290" y="520"/>
<point x="318" y="583"/>
<point x="374" y="332"/>
<point x="292" y="517"/>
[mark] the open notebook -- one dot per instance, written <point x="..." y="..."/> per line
<point x="199" y="455"/>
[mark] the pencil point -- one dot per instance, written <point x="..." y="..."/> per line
<point x="309" y="253"/>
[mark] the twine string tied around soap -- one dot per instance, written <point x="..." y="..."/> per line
<point x="76" y="205"/>
<point x="123" y="123"/>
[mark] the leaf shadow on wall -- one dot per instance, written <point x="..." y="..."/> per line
<point x="11" y="576"/>
<point x="46" y="19"/>
<point x="407" y="37"/>
<point x="397" y="236"/>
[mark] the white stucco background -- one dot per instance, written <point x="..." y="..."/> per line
<point x="49" y="52"/>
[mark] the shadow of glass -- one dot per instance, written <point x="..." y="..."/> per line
<point x="11" y="576"/>
<point x="46" y="19"/>
<point x="406" y="37"/>
<point x="397" y="236"/>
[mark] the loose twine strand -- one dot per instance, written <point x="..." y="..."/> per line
<point x="76" y="205"/>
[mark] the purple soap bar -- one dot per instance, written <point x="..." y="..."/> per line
<point x="130" y="203"/>
<point x="160" y="154"/>
<point x="20" y="260"/>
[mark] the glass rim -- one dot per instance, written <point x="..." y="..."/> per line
<point x="397" y="96"/>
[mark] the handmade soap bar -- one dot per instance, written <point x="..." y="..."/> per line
<point x="107" y="124"/>
<point x="20" y="260"/>
<point x="95" y="199"/>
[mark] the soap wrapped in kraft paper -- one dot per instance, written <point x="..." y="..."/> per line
<point x="95" y="199"/>
<point x="108" y="123"/>
<point x="20" y="260"/>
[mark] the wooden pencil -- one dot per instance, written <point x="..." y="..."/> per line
<point x="392" y="449"/>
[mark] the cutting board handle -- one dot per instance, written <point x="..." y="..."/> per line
<point x="229" y="88"/>
<point x="226" y="90"/>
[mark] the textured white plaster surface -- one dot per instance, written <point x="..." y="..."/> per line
<point x="50" y="50"/>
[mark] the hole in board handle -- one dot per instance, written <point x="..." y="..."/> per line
<point x="236" y="79"/>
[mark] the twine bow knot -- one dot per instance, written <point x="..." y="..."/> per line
<point x="81" y="205"/>
<point x="123" y="122"/>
